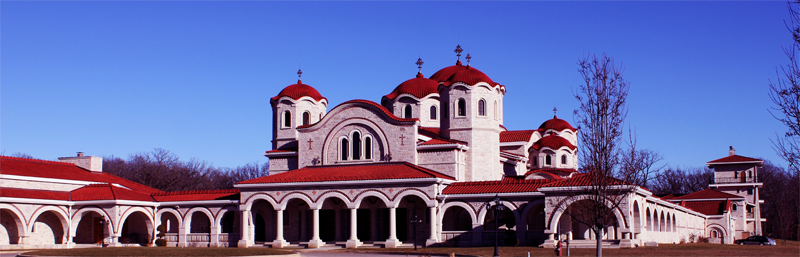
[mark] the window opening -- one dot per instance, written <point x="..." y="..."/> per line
<point x="547" y="160"/>
<point x="433" y="112"/>
<point x="287" y="119"/>
<point x="356" y="146"/>
<point x="481" y="108"/>
<point x="564" y="159"/>
<point x="407" y="112"/>
<point x="343" y="149"/>
<point x="368" y="148"/>
<point x="306" y="118"/>
<point x="462" y="107"/>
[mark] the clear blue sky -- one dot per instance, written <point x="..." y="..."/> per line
<point x="195" y="78"/>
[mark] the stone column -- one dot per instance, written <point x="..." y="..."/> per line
<point x="245" y="241"/>
<point x="182" y="234"/>
<point x="434" y="234"/>
<point x="392" y="242"/>
<point x="353" y="241"/>
<point x="315" y="242"/>
<point x="279" y="242"/>
<point x="214" y="237"/>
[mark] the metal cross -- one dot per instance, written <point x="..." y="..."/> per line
<point x="299" y="73"/>
<point x="458" y="51"/>
<point x="554" y="111"/>
<point x="402" y="139"/>
<point x="419" y="64"/>
<point x="468" y="58"/>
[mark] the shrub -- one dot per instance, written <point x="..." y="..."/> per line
<point x="161" y="242"/>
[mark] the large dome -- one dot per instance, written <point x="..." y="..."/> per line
<point x="553" y="142"/>
<point x="444" y="74"/>
<point x="299" y="90"/>
<point x="460" y="73"/>
<point x="556" y="124"/>
<point x="418" y="87"/>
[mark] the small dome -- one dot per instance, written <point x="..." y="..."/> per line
<point x="418" y="87"/>
<point x="470" y="76"/>
<point x="444" y="74"/>
<point x="299" y="90"/>
<point x="553" y="142"/>
<point x="556" y="124"/>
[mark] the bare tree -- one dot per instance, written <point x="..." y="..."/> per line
<point x="639" y="165"/>
<point x="600" y="116"/>
<point x="785" y="94"/>
<point x="680" y="181"/>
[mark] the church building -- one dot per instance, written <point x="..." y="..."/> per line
<point x="431" y="164"/>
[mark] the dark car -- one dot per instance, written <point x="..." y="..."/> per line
<point x="755" y="240"/>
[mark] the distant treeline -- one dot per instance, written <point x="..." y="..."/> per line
<point x="163" y="170"/>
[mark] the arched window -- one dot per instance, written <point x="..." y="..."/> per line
<point x="407" y="112"/>
<point x="306" y="118"/>
<point x="733" y="206"/>
<point x="433" y="112"/>
<point x="462" y="107"/>
<point x="368" y="148"/>
<point x="287" y="119"/>
<point x="343" y="150"/>
<point x="564" y="159"/>
<point x="547" y="160"/>
<point x="356" y="145"/>
<point x="481" y="107"/>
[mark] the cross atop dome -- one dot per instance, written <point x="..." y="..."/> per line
<point x="299" y="74"/>
<point x="419" y="64"/>
<point x="554" y="111"/>
<point x="458" y="54"/>
<point x="468" y="58"/>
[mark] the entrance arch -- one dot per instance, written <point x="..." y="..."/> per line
<point x="577" y="208"/>
<point x="48" y="227"/>
<point x="136" y="229"/>
<point x="264" y="217"/>
<point x="11" y="227"/>
<point x="90" y="226"/>
<point x="373" y="218"/>
<point x="334" y="218"/>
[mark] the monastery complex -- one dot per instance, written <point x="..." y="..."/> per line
<point x="423" y="165"/>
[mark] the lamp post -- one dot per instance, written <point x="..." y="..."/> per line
<point x="416" y="220"/>
<point x="495" y="208"/>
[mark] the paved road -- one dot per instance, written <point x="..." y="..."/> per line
<point x="338" y="254"/>
<point x="9" y="253"/>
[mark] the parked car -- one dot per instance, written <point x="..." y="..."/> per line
<point x="755" y="240"/>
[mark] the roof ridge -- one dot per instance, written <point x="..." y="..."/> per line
<point x="36" y="160"/>
<point x="189" y="192"/>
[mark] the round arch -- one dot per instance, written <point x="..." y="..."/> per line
<point x="78" y="215"/>
<point x="716" y="227"/>
<point x="260" y="196"/>
<point x="379" y="139"/>
<point x="464" y="205"/>
<point x="60" y="214"/>
<point x="415" y="192"/>
<point x="295" y="195"/>
<point x="569" y="201"/>
<point x="379" y="195"/>
<point x="335" y="194"/>
<point x="511" y="207"/>
<point x="187" y="220"/>
<point x="175" y="213"/>
<point x="217" y="221"/>
<point x="16" y="220"/>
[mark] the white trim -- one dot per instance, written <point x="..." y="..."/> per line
<point x="704" y="199"/>
<point x="737" y="185"/>
<point x="514" y="143"/>
<point x="117" y="202"/>
<point x="443" y="146"/>
<point x="204" y="202"/>
<point x="280" y="154"/>
<point x="513" y="156"/>
<point x="423" y="138"/>
<point x="490" y="195"/>
<point x="719" y="163"/>
<point x="35" y="201"/>
<point x="344" y="183"/>
<point x="57" y="180"/>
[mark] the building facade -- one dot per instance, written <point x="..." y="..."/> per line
<point x="424" y="165"/>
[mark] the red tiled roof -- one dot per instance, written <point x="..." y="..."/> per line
<point x="418" y="87"/>
<point x="667" y="197"/>
<point x="107" y="191"/>
<point x="706" y="194"/>
<point x="63" y="170"/>
<point x="34" y="194"/>
<point x="460" y="73"/>
<point x="280" y="151"/>
<point x="554" y="142"/>
<point x="734" y="158"/>
<point x="299" y="90"/>
<point x="516" y="135"/>
<point x="556" y="124"/>
<point x="429" y="131"/>
<point x="584" y="179"/>
<point x="707" y="207"/>
<point x="439" y="141"/>
<point x="371" y="103"/>
<point x="370" y="171"/>
<point x="507" y="185"/>
<point x="197" y="195"/>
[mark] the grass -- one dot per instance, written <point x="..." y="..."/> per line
<point x="158" y="251"/>
<point x="792" y="249"/>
